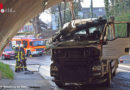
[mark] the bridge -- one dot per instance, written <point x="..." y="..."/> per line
<point x="16" y="13"/>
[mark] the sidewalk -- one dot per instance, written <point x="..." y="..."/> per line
<point x="26" y="82"/>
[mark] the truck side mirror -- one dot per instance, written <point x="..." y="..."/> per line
<point x="127" y="50"/>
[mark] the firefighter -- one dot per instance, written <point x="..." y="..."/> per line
<point x="23" y="58"/>
<point x="17" y="57"/>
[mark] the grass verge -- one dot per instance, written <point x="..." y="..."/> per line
<point x="6" y="71"/>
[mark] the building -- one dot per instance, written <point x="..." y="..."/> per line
<point x="82" y="13"/>
<point x="28" y="27"/>
<point x="97" y="12"/>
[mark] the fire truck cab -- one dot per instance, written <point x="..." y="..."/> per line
<point x="31" y="46"/>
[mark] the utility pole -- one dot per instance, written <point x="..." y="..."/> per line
<point x="91" y="8"/>
<point x="64" y="12"/>
<point x="60" y="15"/>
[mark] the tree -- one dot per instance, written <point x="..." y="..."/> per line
<point x="107" y="8"/>
<point x="63" y="13"/>
<point x="38" y="25"/>
<point x="121" y="10"/>
<point x="91" y="8"/>
<point x="60" y="15"/>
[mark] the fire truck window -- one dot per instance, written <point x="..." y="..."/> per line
<point x="38" y="43"/>
<point x="18" y="42"/>
<point x="25" y="44"/>
<point x="31" y="44"/>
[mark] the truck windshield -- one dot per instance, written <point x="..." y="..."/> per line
<point x="38" y="43"/>
<point x="92" y="33"/>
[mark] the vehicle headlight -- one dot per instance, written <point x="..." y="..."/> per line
<point x="54" y="68"/>
<point x="96" y="68"/>
<point x="34" y="52"/>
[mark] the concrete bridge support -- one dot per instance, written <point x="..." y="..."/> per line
<point x="17" y="13"/>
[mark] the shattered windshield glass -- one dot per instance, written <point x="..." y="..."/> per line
<point x="90" y="34"/>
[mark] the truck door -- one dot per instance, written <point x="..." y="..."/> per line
<point x="115" y="46"/>
<point x="18" y="42"/>
<point x="25" y="43"/>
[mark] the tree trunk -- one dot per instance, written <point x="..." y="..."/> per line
<point x="60" y="15"/>
<point x="72" y="9"/>
<point x="64" y="12"/>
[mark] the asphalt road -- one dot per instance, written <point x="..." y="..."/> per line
<point x="120" y="82"/>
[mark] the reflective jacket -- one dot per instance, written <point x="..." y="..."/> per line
<point x="22" y="54"/>
<point x="17" y="54"/>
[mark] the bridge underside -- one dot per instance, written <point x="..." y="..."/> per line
<point x="11" y="22"/>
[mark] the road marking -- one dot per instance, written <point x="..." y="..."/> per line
<point x="46" y="68"/>
<point x="126" y="66"/>
<point x="123" y="70"/>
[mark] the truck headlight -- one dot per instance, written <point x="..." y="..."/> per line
<point x="34" y="52"/>
<point x="54" y="68"/>
<point x="96" y="68"/>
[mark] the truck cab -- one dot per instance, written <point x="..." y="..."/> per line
<point x="82" y="53"/>
<point x="31" y="46"/>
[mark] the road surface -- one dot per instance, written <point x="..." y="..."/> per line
<point x="120" y="82"/>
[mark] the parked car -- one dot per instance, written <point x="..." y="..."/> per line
<point x="125" y="59"/>
<point x="8" y="53"/>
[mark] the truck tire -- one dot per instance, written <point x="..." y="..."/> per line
<point x="60" y="84"/>
<point x="108" y="77"/>
<point x="114" y="73"/>
<point x="41" y="54"/>
<point x="28" y="53"/>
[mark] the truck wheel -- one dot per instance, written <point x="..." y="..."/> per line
<point x="41" y="55"/>
<point x="28" y="53"/>
<point x="114" y="73"/>
<point x="109" y="78"/>
<point x="60" y="84"/>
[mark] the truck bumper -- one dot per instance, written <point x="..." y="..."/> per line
<point x="37" y="53"/>
<point x="95" y="78"/>
<point x="89" y="81"/>
<point x="78" y="75"/>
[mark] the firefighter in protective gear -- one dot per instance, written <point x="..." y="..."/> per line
<point x="23" y="58"/>
<point x="17" y="57"/>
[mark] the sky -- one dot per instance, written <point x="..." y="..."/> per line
<point x="96" y="3"/>
<point x="46" y="17"/>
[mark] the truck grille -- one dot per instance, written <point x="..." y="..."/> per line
<point x="76" y="52"/>
<point x="75" y="64"/>
<point x="76" y="72"/>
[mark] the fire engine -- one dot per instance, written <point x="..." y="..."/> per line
<point x="31" y="46"/>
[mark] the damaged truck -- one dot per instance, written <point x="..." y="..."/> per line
<point x="86" y="51"/>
